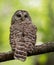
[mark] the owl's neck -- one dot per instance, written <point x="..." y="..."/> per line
<point x="24" y="22"/>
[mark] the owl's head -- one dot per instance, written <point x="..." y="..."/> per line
<point x="21" y="15"/>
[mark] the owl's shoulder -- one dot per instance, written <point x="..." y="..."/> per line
<point x="33" y="26"/>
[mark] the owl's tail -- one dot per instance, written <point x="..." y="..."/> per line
<point x="20" y="51"/>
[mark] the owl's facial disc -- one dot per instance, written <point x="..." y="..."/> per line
<point x="22" y="15"/>
<point x="18" y="15"/>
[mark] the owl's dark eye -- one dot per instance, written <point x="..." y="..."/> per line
<point x="25" y="16"/>
<point x="18" y="15"/>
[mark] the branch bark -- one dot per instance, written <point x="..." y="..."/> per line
<point x="39" y="49"/>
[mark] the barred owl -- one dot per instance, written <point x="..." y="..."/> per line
<point x="22" y="34"/>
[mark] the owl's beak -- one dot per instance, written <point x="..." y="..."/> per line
<point x="22" y="18"/>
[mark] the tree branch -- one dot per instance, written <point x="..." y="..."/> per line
<point x="39" y="49"/>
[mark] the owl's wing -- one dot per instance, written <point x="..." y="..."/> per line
<point x="12" y="38"/>
<point x="30" y="37"/>
<point x="15" y="36"/>
<point x="33" y="31"/>
<point x="30" y="33"/>
<point x="17" y="43"/>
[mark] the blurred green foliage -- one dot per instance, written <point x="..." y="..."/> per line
<point x="42" y="14"/>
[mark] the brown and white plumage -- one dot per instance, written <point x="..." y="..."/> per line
<point x="22" y="34"/>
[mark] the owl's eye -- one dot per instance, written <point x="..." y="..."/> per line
<point x="18" y="15"/>
<point x="26" y="16"/>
